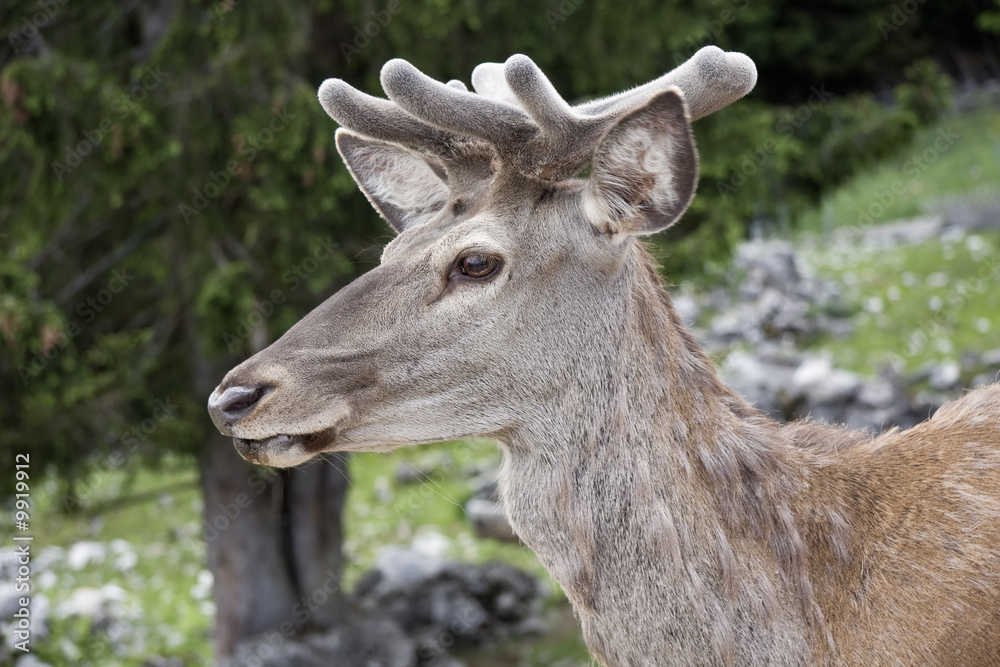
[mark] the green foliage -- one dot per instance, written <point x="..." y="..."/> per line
<point x="989" y="20"/>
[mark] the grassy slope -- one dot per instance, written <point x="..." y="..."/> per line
<point x="926" y="302"/>
<point x="381" y="513"/>
<point x="165" y="612"/>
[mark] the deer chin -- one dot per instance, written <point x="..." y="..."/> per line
<point x="284" y="451"/>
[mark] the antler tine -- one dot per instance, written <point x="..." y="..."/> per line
<point x="567" y="139"/>
<point x="710" y="80"/>
<point x="503" y="125"/>
<point x="537" y="94"/>
<point x="381" y="119"/>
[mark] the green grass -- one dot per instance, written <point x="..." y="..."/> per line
<point x="380" y="513"/>
<point x="171" y="491"/>
<point x="921" y="173"/>
<point x="916" y="304"/>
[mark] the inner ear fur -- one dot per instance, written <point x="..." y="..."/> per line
<point x="407" y="188"/>
<point x="644" y="170"/>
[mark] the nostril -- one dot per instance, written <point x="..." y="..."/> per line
<point x="237" y="402"/>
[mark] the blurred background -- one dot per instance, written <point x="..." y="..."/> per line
<point x="171" y="201"/>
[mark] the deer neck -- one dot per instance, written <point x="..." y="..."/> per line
<point x="639" y="484"/>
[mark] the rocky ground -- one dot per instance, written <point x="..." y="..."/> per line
<point x="411" y="610"/>
<point x="760" y="327"/>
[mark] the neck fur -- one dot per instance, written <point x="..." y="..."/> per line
<point x="661" y="501"/>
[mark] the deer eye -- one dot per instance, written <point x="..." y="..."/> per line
<point x="476" y="266"/>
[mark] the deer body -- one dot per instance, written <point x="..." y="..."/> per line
<point x="517" y="304"/>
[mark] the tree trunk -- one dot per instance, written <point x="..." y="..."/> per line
<point x="274" y="545"/>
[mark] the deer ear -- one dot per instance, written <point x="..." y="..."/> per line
<point x="405" y="187"/>
<point x="644" y="170"/>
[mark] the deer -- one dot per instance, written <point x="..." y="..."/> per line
<point x="518" y="302"/>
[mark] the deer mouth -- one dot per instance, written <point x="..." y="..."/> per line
<point x="284" y="451"/>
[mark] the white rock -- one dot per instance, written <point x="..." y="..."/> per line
<point x="84" y="553"/>
<point x="991" y="358"/>
<point x="92" y="602"/>
<point x="985" y="379"/>
<point x="686" y="307"/>
<point x="126" y="561"/>
<point x="49" y="558"/>
<point x="945" y="376"/>
<point x="743" y="365"/>
<point x="431" y="543"/>
<point x="820" y="382"/>
<point x="404" y="569"/>
<point x="202" y="589"/>
<point x="878" y="393"/>
<point x="8" y="602"/>
<point x="47" y="579"/>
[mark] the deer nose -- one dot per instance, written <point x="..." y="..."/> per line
<point x="234" y="404"/>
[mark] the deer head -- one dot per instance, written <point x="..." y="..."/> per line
<point x="505" y="267"/>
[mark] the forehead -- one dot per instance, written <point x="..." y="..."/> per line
<point x="527" y="215"/>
